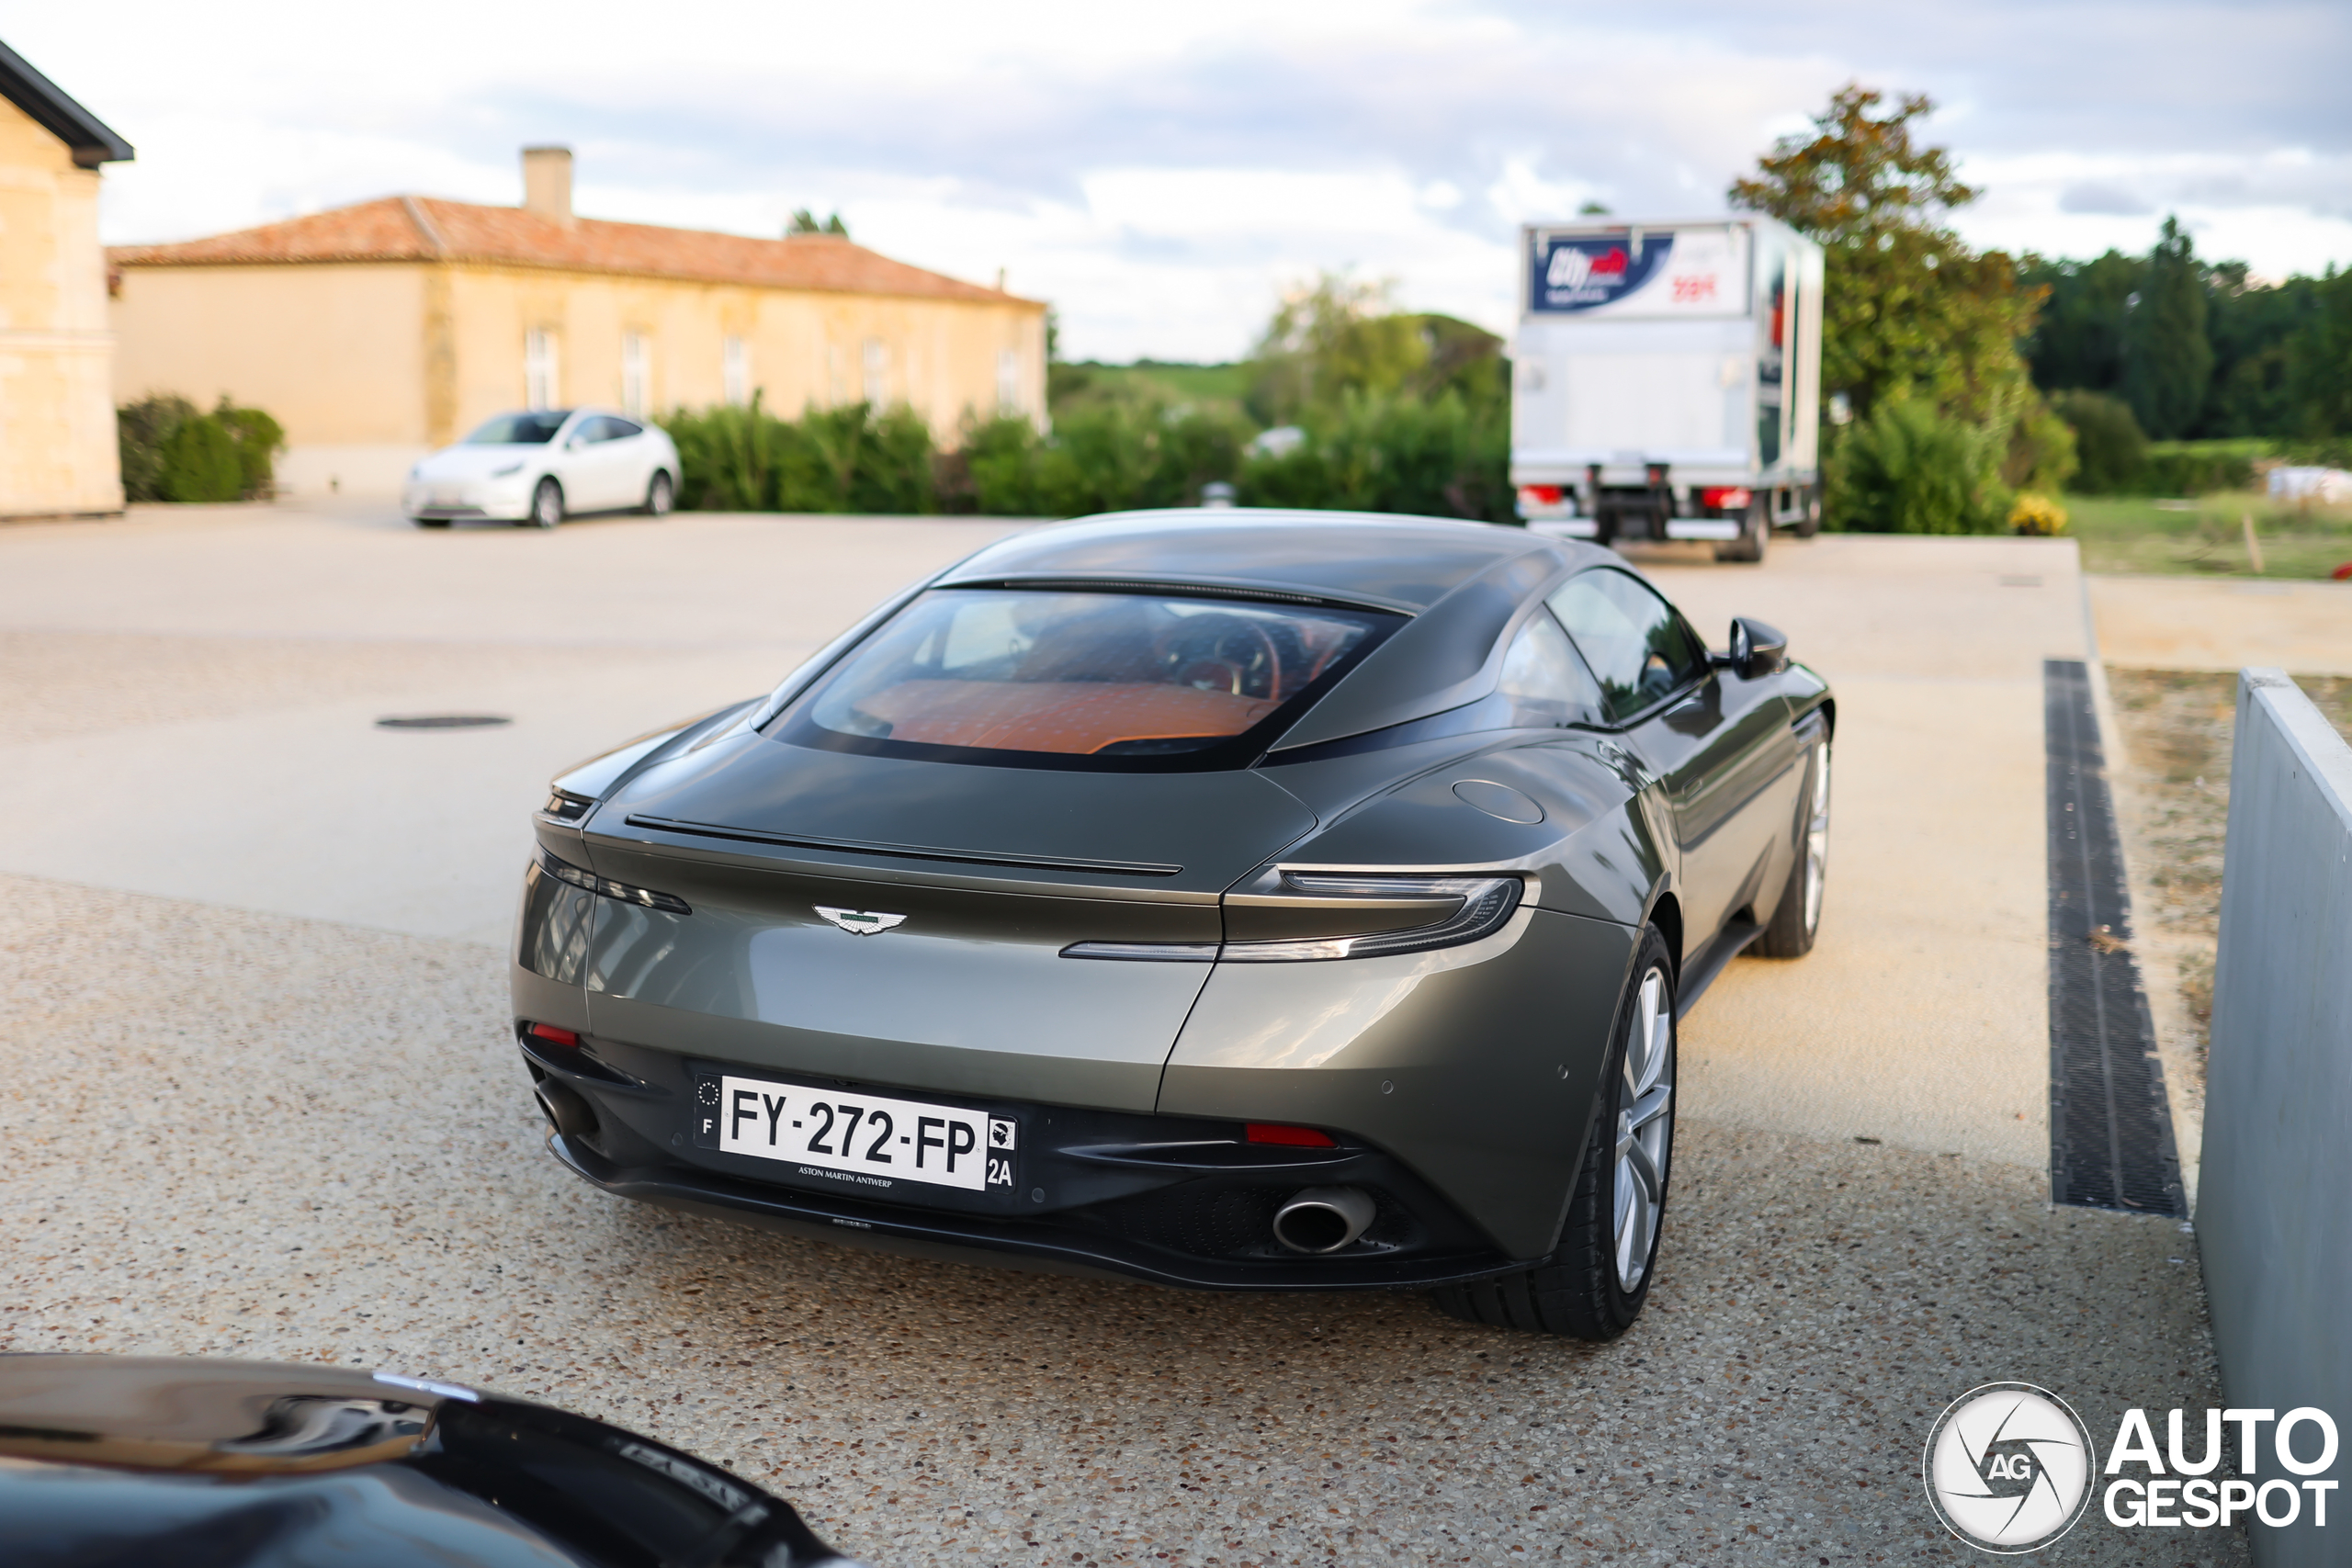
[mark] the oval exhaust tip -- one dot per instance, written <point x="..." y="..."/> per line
<point x="1324" y="1219"/>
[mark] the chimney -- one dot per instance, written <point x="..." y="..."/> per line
<point x="547" y="183"/>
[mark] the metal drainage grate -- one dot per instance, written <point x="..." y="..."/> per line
<point x="444" y="721"/>
<point x="2110" y="1125"/>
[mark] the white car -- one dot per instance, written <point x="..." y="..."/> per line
<point x="541" y="466"/>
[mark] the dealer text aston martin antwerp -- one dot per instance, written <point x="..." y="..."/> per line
<point x="1231" y="899"/>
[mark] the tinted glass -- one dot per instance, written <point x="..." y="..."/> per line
<point x="618" y="430"/>
<point x="1544" y="679"/>
<point x="534" y="429"/>
<point x="1636" y="645"/>
<point x="1087" y="679"/>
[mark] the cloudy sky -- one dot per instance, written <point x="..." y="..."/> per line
<point x="1161" y="171"/>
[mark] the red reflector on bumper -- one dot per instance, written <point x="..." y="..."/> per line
<point x="1298" y="1137"/>
<point x="554" y="1036"/>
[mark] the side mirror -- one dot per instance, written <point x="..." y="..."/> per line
<point x="1755" y="648"/>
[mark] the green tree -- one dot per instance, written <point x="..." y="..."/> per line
<point x="804" y="221"/>
<point x="2077" y="340"/>
<point x="2167" y="360"/>
<point x="2319" y="360"/>
<point x="1909" y="311"/>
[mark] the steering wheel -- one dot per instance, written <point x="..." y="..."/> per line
<point x="1227" y="654"/>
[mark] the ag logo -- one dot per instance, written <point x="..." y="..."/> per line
<point x="862" y="922"/>
<point x="2008" y="1467"/>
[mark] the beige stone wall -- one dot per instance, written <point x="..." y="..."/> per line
<point x="940" y="357"/>
<point x="336" y="353"/>
<point x="368" y="367"/>
<point x="57" y="438"/>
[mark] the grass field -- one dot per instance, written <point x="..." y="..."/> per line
<point x="1174" y="383"/>
<point x="2134" y="533"/>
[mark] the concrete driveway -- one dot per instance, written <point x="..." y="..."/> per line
<point x="262" y="1104"/>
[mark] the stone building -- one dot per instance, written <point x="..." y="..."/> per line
<point x="58" y="457"/>
<point x="377" y="332"/>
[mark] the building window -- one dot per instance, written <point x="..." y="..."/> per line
<point x="637" y="373"/>
<point x="542" y="383"/>
<point x="735" y="370"/>
<point x="1008" y="380"/>
<point x="877" y="372"/>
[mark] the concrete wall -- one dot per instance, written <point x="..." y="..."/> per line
<point x="58" y="453"/>
<point x="2274" y="1215"/>
<point x="370" y="365"/>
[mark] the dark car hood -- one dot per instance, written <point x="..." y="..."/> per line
<point x="1196" y="832"/>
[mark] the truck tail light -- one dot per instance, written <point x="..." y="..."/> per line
<point x="1541" y="495"/>
<point x="1726" y="498"/>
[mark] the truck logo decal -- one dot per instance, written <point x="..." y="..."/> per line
<point x="862" y="922"/>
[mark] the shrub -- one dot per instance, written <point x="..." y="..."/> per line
<point x="1391" y="453"/>
<point x="201" y="463"/>
<point x="172" y="452"/>
<point x="140" y="430"/>
<point x="2197" y="467"/>
<point x="842" y="459"/>
<point x="1908" y="470"/>
<point x="2113" y="452"/>
<point x="258" y="440"/>
<point x="2037" y="516"/>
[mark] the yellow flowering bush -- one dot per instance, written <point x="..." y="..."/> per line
<point x="2036" y="514"/>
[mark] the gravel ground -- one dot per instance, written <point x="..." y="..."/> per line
<point x="2174" y="792"/>
<point x="257" y="1135"/>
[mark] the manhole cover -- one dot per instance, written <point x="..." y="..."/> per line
<point x="442" y="721"/>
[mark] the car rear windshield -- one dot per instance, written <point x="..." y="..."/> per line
<point x="534" y="429"/>
<point x="1125" y="682"/>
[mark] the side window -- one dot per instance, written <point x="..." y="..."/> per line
<point x="1544" y="679"/>
<point x="1635" y="643"/>
<point x="620" y="429"/>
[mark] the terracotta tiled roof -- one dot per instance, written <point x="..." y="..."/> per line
<point x="419" y="228"/>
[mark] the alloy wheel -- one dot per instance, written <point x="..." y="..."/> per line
<point x="546" y="504"/>
<point x="1644" y="1127"/>
<point x="1817" y="842"/>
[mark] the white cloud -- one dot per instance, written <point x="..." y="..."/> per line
<point x="1162" y="174"/>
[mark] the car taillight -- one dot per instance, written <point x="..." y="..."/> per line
<point x="1346" y="915"/>
<point x="606" y="887"/>
<point x="553" y="1035"/>
<point x="1454" y="909"/>
<point x="1292" y="1137"/>
<point x="1726" y="498"/>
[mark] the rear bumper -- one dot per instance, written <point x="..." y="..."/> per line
<point x="1061" y="1244"/>
<point x="1174" y="1200"/>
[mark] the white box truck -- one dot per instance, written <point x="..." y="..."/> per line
<point x="1666" y="381"/>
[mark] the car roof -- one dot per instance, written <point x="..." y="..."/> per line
<point x="1375" y="559"/>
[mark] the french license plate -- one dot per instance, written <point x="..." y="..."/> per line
<point x="858" y="1139"/>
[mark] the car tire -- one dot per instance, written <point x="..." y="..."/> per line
<point x="1810" y="524"/>
<point x="546" y="504"/>
<point x="1755" y="533"/>
<point x="661" y="495"/>
<point x="1594" y="1282"/>
<point x="1797" y="921"/>
<point x="430" y="522"/>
